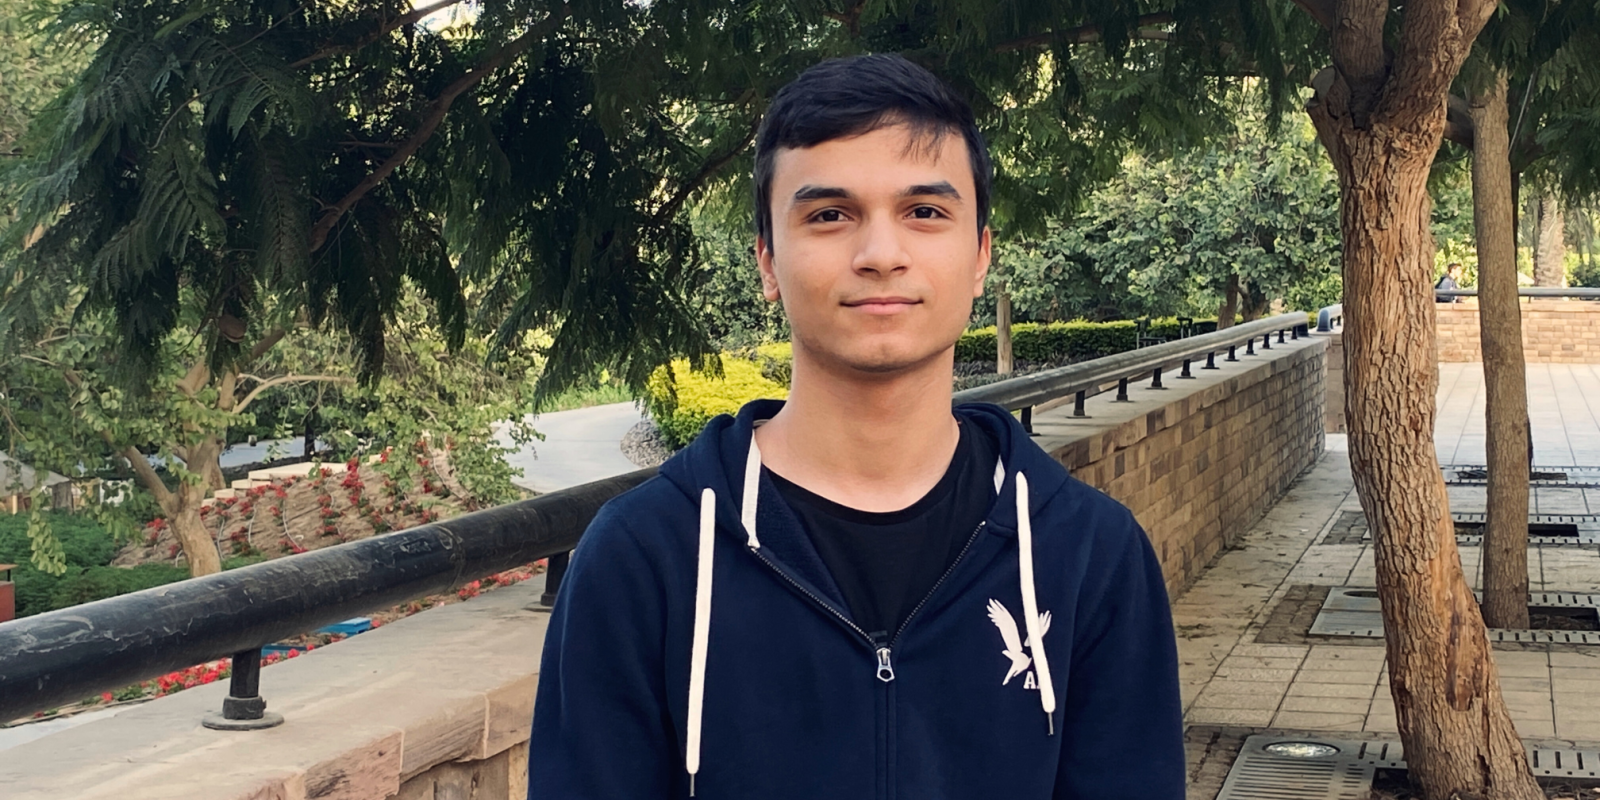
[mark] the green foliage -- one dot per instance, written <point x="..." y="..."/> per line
<point x="682" y="400"/>
<point x="727" y="290"/>
<point x="1166" y="234"/>
<point x="1057" y="342"/>
<point x="32" y="71"/>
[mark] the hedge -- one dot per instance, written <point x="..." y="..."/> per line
<point x="88" y="549"/>
<point x="1067" y="341"/>
<point x="683" y="401"/>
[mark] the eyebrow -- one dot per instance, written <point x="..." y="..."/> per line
<point x="941" y="189"/>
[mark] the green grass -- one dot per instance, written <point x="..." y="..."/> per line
<point x="586" y="396"/>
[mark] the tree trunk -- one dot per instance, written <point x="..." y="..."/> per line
<point x="1505" y="541"/>
<point x="198" y="547"/>
<point x="1230" y="303"/>
<point x="1002" y="330"/>
<point x="1381" y="124"/>
<point x="1550" y="253"/>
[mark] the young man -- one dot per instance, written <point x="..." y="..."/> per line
<point x="860" y="592"/>
<point x="1450" y="280"/>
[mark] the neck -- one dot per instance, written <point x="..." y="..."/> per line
<point x="867" y="441"/>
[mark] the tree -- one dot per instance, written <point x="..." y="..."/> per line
<point x="1380" y="112"/>
<point x="1505" y="544"/>
<point x="1255" y="208"/>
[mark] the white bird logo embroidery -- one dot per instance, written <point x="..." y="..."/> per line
<point x="1003" y="620"/>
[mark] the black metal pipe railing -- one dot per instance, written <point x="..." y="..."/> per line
<point x="1103" y="374"/>
<point x="63" y="656"/>
<point x="1530" y="291"/>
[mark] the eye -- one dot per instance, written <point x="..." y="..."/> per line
<point x="828" y="215"/>
<point x="926" y="212"/>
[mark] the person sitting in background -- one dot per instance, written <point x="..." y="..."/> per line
<point x="1451" y="280"/>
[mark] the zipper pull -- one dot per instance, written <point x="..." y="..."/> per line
<point x="885" y="669"/>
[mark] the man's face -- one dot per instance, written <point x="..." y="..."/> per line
<point x="875" y="248"/>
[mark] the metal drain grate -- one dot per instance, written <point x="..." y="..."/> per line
<point x="1354" y="611"/>
<point x="1347" y="772"/>
<point x="1543" y="529"/>
<point x="1478" y="475"/>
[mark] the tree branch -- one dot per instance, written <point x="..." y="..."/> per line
<point x="384" y="29"/>
<point x="147" y="474"/>
<point x="266" y="343"/>
<point x="709" y="169"/>
<point x="430" y="121"/>
<point x="1320" y="10"/>
<point x="265" y="385"/>
<point x="1087" y="34"/>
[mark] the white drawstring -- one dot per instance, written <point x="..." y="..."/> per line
<point x="752" y="482"/>
<point x="1030" y="603"/>
<point x="702" y="632"/>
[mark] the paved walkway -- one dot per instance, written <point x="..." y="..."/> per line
<point x="1239" y="669"/>
<point x="579" y="446"/>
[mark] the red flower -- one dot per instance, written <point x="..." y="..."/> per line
<point x="105" y="697"/>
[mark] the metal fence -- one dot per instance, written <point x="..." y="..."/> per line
<point x="63" y="656"/>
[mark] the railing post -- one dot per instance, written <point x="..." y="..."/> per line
<point x="1266" y="341"/>
<point x="1280" y="337"/>
<point x="1122" y="391"/>
<point x="1249" y="346"/>
<point x="1027" y="420"/>
<point x="244" y="709"/>
<point x="1294" y="333"/>
<point x="1077" y="404"/>
<point x="554" y="570"/>
<point x="1185" y="372"/>
<point x="1155" y="382"/>
<point x="1211" y="361"/>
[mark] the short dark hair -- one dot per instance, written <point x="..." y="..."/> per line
<point x="845" y="97"/>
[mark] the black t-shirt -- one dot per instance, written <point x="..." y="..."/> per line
<point x="885" y="563"/>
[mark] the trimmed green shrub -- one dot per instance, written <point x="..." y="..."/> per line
<point x="682" y="401"/>
<point x="1064" y="341"/>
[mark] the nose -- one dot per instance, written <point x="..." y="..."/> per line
<point x="881" y="251"/>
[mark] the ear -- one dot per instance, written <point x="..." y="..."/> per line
<point x="769" y="279"/>
<point x="984" y="240"/>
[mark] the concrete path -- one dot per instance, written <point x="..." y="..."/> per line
<point x="1238" y="666"/>
<point x="1563" y="407"/>
<point x="581" y="445"/>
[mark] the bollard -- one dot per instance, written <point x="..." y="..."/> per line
<point x="244" y="709"/>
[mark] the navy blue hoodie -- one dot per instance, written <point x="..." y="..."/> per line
<point x="752" y="677"/>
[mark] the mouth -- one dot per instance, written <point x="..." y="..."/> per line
<point x="882" y="305"/>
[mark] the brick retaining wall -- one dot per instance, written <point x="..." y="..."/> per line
<point x="1201" y="467"/>
<point x="1554" y="331"/>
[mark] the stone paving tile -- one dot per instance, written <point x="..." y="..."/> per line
<point x="1228" y="716"/>
<point x="1230" y="680"/>
<point x="1318" y="721"/>
<point x="1362" y="691"/>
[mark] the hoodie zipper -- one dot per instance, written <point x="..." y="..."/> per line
<point x="882" y="651"/>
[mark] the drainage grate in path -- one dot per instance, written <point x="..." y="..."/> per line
<point x="1354" y="611"/>
<point x="1543" y="529"/>
<point x="1478" y="475"/>
<point x="1291" y="767"/>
